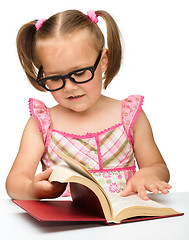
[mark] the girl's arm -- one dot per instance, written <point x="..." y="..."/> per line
<point x="21" y="182"/>
<point x="153" y="174"/>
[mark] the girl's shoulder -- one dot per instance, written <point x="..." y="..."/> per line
<point x="129" y="107"/>
<point x="131" y="103"/>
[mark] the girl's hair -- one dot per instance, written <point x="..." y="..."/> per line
<point x="64" y="23"/>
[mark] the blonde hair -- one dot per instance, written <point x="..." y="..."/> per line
<point x="65" y="23"/>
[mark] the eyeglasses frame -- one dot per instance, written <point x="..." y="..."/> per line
<point x="92" y="69"/>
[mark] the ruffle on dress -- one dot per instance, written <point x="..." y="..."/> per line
<point x="130" y="111"/>
<point x="42" y="115"/>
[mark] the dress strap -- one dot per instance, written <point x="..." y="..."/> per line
<point x="42" y="115"/>
<point x="132" y="106"/>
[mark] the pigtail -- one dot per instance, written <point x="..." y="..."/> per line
<point x="114" y="46"/>
<point x="25" y="48"/>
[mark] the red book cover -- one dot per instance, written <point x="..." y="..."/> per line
<point x="57" y="211"/>
<point x="67" y="211"/>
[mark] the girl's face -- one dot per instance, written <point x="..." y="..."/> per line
<point x="59" y="56"/>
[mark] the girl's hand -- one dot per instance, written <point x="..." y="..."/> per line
<point x="42" y="188"/>
<point x="144" y="180"/>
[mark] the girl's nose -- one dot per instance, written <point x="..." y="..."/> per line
<point x="69" y="85"/>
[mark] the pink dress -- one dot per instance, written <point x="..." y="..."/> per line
<point x="108" y="155"/>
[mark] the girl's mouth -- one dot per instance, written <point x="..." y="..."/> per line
<point x="77" y="97"/>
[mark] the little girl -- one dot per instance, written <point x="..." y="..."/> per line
<point x="65" y="56"/>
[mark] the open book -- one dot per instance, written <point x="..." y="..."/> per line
<point x="85" y="190"/>
<point x="90" y="202"/>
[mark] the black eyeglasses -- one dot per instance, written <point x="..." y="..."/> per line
<point x="57" y="82"/>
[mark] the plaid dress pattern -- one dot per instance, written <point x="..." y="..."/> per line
<point x="108" y="154"/>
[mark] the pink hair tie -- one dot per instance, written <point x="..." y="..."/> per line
<point x="92" y="15"/>
<point x="39" y="24"/>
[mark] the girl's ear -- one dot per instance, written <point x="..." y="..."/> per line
<point x="104" y="60"/>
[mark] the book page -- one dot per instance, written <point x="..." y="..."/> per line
<point x="75" y="165"/>
<point x="63" y="174"/>
<point x="120" y="203"/>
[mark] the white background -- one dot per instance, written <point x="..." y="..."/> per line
<point x="156" y="65"/>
